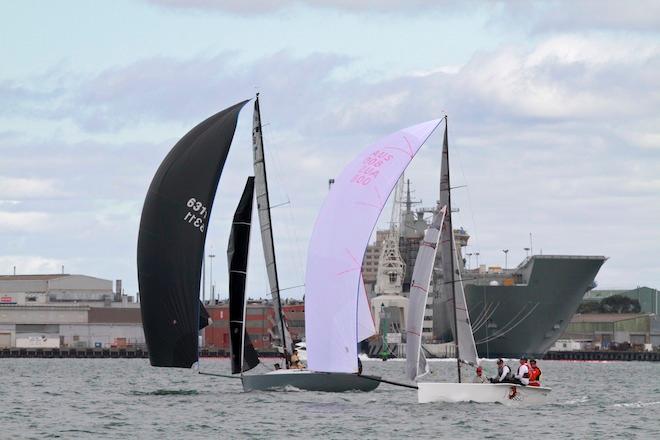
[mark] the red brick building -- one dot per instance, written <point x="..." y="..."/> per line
<point x="260" y="324"/>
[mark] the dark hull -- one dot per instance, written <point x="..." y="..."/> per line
<point x="526" y="319"/>
<point x="309" y="381"/>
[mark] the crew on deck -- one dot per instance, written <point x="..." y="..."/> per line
<point x="480" y="378"/>
<point x="503" y="373"/>
<point x="534" y="374"/>
<point x="295" y="361"/>
<point x="522" y="375"/>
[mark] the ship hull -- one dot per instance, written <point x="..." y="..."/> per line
<point x="527" y="319"/>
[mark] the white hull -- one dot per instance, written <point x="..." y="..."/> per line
<point x="505" y="393"/>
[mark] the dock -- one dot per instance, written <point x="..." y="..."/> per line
<point x="649" y="356"/>
<point x="99" y="353"/>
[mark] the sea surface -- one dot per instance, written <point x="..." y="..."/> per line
<point x="128" y="399"/>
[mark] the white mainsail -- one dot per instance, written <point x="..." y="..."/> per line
<point x="263" y="209"/>
<point x="466" y="346"/>
<point x="334" y="295"/>
<point x="452" y="290"/>
<point x="419" y="291"/>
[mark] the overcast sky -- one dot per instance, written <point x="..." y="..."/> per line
<point x="553" y="115"/>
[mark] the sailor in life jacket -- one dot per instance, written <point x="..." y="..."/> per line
<point x="503" y="373"/>
<point x="534" y="374"/>
<point x="522" y="375"/>
<point x="479" y="378"/>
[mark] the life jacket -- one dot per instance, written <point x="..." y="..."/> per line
<point x="534" y="376"/>
<point x="526" y="375"/>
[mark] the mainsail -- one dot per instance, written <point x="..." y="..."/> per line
<point x="171" y="239"/>
<point x="336" y="305"/>
<point x="243" y="355"/>
<point x="265" y="223"/>
<point x="419" y="293"/>
<point x="453" y="287"/>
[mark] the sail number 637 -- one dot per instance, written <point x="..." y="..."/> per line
<point x="197" y="215"/>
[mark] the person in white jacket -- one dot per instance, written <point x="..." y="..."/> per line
<point x="522" y="375"/>
<point x="503" y="373"/>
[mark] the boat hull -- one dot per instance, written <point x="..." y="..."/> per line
<point x="505" y="393"/>
<point x="309" y="381"/>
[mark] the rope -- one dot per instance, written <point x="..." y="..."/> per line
<point x="226" y="376"/>
<point x="399" y="384"/>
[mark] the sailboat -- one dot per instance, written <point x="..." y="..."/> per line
<point x="440" y="232"/>
<point x="286" y="377"/>
<point x="337" y="312"/>
<point x="171" y="240"/>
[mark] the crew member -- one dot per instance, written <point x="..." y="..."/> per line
<point x="522" y="375"/>
<point x="534" y="374"/>
<point x="295" y="361"/>
<point x="503" y="372"/>
<point x="480" y="378"/>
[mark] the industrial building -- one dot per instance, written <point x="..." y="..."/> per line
<point x="602" y="331"/>
<point x="64" y="310"/>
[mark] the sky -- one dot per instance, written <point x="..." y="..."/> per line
<point x="553" y="122"/>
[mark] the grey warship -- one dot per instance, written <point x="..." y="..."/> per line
<point x="514" y="312"/>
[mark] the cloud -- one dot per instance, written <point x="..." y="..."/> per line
<point x="261" y="7"/>
<point x="559" y="138"/>
<point x="18" y="188"/>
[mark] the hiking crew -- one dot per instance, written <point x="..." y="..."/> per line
<point x="522" y="375"/>
<point x="534" y="374"/>
<point x="503" y="373"/>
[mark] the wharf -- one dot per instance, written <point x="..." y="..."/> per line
<point x="99" y="353"/>
<point x="651" y="356"/>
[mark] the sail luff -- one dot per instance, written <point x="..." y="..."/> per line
<point x="468" y="348"/>
<point x="447" y="248"/>
<point x="419" y="287"/>
<point x="243" y="355"/>
<point x="171" y="239"/>
<point x="336" y="248"/>
<point x="265" y="222"/>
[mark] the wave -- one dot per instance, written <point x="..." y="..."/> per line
<point x="635" y="404"/>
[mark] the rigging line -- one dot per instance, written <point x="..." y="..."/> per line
<point x="292" y="287"/>
<point x="514" y="326"/>
<point x="226" y="376"/>
<point x="506" y="327"/>
<point x="485" y="320"/>
<point x="398" y="384"/>
<point x="478" y="318"/>
<point x="288" y="202"/>
<point x="475" y="235"/>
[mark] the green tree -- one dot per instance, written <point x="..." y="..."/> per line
<point x="619" y="304"/>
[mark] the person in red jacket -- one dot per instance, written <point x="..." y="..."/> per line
<point x="534" y="374"/>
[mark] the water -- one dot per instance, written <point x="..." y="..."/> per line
<point x="126" y="398"/>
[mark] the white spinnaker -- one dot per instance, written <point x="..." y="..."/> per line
<point x="265" y="226"/>
<point x="341" y="233"/>
<point x="419" y="292"/>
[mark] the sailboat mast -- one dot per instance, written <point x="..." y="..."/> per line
<point x="263" y="208"/>
<point x="445" y="150"/>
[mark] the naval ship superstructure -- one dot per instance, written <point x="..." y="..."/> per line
<point x="514" y="312"/>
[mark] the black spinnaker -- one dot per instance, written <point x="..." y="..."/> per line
<point x="237" y="259"/>
<point x="172" y="235"/>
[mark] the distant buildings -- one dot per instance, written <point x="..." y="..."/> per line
<point x="602" y="331"/>
<point x="62" y="310"/>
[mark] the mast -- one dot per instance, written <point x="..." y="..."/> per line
<point x="445" y="151"/>
<point x="263" y="210"/>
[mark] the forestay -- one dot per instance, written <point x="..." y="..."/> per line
<point x="171" y="240"/>
<point x="336" y="306"/>
<point x="419" y="291"/>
